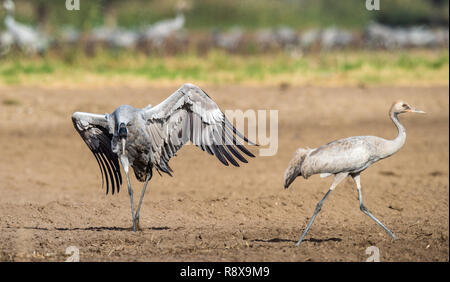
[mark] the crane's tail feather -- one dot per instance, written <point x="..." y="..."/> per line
<point x="295" y="165"/>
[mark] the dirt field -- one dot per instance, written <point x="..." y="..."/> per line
<point x="51" y="196"/>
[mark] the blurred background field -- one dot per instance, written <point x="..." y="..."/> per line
<point x="253" y="14"/>
<point x="301" y="42"/>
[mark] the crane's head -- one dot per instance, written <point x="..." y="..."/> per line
<point x="121" y="119"/>
<point x="183" y="5"/>
<point x="8" y="5"/>
<point x="400" y="107"/>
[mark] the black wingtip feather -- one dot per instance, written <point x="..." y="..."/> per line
<point x="218" y="155"/>
<point x="102" y="158"/>
<point x="247" y="152"/>
<point x="235" y="131"/>
<point x="236" y="154"/>
<point x="110" y="175"/>
<point x="227" y="155"/>
<point x="101" y="171"/>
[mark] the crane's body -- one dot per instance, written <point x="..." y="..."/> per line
<point x="158" y="32"/>
<point x="347" y="157"/>
<point x="26" y="37"/>
<point x="147" y="138"/>
<point x="353" y="154"/>
<point x="138" y="145"/>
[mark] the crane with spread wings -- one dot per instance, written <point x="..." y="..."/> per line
<point x="148" y="138"/>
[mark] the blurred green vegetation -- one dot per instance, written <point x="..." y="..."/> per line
<point x="348" y="67"/>
<point x="338" y="67"/>
<point x="251" y="14"/>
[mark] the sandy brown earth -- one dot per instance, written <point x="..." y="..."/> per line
<point x="51" y="196"/>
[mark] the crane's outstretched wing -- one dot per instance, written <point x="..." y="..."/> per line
<point x="189" y="114"/>
<point x="94" y="131"/>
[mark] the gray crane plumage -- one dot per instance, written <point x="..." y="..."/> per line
<point x="148" y="138"/>
<point x="26" y="37"/>
<point x="347" y="157"/>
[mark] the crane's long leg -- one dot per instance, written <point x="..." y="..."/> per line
<point x="125" y="164"/>
<point x="136" y="217"/>
<point x="337" y="179"/>
<point x="365" y="210"/>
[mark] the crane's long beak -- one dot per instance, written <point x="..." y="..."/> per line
<point x="413" y="110"/>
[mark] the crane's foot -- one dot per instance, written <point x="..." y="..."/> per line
<point x="138" y="227"/>
<point x="301" y="238"/>
<point x="367" y="212"/>
<point x="133" y="226"/>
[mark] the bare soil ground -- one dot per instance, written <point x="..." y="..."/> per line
<point x="51" y="196"/>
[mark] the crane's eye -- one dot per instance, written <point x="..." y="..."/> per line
<point x="405" y="106"/>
